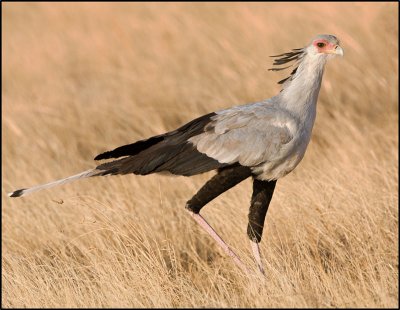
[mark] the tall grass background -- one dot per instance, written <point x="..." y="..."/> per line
<point x="79" y="79"/>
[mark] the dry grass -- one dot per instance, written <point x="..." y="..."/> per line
<point x="79" y="79"/>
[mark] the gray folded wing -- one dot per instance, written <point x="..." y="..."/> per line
<point x="249" y="135"/>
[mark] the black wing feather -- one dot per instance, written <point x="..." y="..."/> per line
<point x="168" y="152"/>
<point x="130" y="149"/>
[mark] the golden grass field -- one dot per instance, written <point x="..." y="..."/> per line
<point x="79" y="79"/>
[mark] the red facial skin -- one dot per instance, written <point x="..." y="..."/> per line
<point x="327" y="48"/>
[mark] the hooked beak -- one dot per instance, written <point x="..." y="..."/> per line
<point x="338" y="50"/>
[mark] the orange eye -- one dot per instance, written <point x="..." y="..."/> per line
<point x="320" y="44"/>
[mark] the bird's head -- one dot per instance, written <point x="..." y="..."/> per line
<point x="324" y="45"/>
<point x="321" y="47"/>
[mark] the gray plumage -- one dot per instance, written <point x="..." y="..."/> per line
<point x="270" y="137"/>
<point x="265" y="140"/>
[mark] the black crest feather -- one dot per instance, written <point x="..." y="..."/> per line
<point x="295" y="55"/>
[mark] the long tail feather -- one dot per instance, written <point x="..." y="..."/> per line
<point x="82" y="175"/>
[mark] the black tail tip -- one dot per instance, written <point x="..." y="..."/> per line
<point x="17" y="193"/>
<point x="104" y="155"/>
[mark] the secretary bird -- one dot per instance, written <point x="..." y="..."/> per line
<point x="265" y="140"/>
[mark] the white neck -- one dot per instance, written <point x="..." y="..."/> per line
<point x="300" y="94"/>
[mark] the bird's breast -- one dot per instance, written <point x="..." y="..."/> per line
<point x="289" y="157"/>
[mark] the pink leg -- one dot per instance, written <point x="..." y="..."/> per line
<point x="203" y="223"/>
<point x="257" y="256"/>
